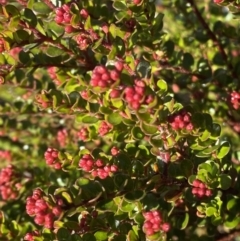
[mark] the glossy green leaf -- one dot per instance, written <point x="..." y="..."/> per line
<point x="225" y="181"/>
<point x="223" y="150"/>
<point x="100" y="235"/>
<point x="41" y="7"/>
<point x="89" y="119"/>
<point x="148" y="129"/>
<point x="114" y="118"/>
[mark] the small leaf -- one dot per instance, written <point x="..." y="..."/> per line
<point x="148" y="129"/>
<point x="137" y="133"/>
<point x="210" y="211"/>
<point x="223" y="150"/>
<point x="114" y="118"/>
<point x="232" y="222"/>
<point x="42" y="8"/>
<point x="225" y="181"/>
<point x="134" y="196"/>
<point x="89" y="119"/>
<point x="63" y="234"/>
<point x="119" y="6"/>
<point x="100" y="235"/>
<point x="132" y="236"/>
<point x="162" y="85"/>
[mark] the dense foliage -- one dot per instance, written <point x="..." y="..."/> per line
<point x="119" y="120"/>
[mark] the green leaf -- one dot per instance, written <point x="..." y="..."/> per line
<point x="63" y="234"/>
<point x="134" y="196"/>
<point x="12" y="10"/>
<point x="119" y="5"/>
<point x="187" y="167"/>
<point x="132" y="236"/>
<point x="157" y="23"/>
<point x="232" y="222"/>
<point x="114" y="119"/>
<point x="187" y="61"/>
<point x="148" y="129"/>
<point x="21" y="35"/>
<point x="54" y="51"/>
<point x="210" y="211"/>
<point x="87" y="24"/>
<point x="223" y="150"/>
<point x="216" y="130"/>
<point x="182" y="221"/>
<point x="127" y="207"/>
<point x="162" y="85"/>
<point x="233" y="204"/>
<point x="89" y="119"/>
<point x="137" y="133"/>
<point x="107" y="205"/>
<point x="225" y="181"/>
<point x="88" y="237"/>
<point x="42" y="8"/>
<point x="30" y="17"/>
<point x="156" y="141"/>
<point x="100" y="235"/>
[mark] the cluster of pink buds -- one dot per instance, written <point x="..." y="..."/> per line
<point x="235" y="100"/>
<point x="83" y="40"/>
<point x="181" y="120"/>
<point x="42" y="102"/>
<point x="200" y="190"/>
<point x="2" y="45"/>
<point x="64" y="17"/>
<point x="31" y="236"/>
<point x="51" y="157"/>
<point x="104" y="128"/>
<point x="62" y="136"/>
<point x="44" y="214"/>
<point x="7" y="189"/>
<point x="114" y="151"/>
<point x="154" y="223"/>
<point x="135" y="96"/>
<point x="53" y="75"/>
<point x="83" y="134"/>
<point x="165" y="156"/>
<point x="103" y="77"/>
<point x="96" y="167"/>
<point x="5" y="155"/>
<point x="63" y="14"/>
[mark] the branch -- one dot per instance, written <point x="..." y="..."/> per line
<point x="212" y="37"/>
<point x="50" y="4"/>
<point x="166" y="65"/>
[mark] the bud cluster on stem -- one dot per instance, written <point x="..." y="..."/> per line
<point x="235" y="100"/>
<point x="51" y="157"/>
<point x="97" y="167"/>
<point x="44" y="214"/>
<point x="154" y="223"/>
<point x="62" y="136"/>
<point x="83" y="134"/>
<point x="103" y="77"/>
<point x="181" y="120"/>
<point x="7" y="189"/>
<point x="31" y="236"/>
<point x="104" y="128"/>
<point x="200" y="189"/>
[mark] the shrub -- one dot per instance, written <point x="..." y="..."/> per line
<point x="119" y="120"/>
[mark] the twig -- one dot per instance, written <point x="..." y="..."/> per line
<point x="166" y="65"/>
<point x="50" y="4"/>
<point x="213" y="37"/>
